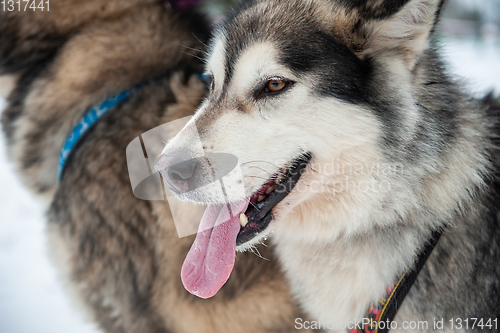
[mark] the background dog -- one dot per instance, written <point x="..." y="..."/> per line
<point x="122" y="252"/>
<point x="355" y="146"/>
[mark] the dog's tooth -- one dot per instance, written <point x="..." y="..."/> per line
<point x="260" y="198"/>
<point x="243" y="220"/>
<point x="270" y="189"/>
<point x="280" y="178"/>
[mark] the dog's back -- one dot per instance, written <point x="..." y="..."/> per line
<point x="124" y="254"/>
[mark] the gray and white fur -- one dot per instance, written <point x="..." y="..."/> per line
<point x="369" y="98"/>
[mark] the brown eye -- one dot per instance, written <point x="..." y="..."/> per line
<point x="273" y="87"/>
<point x="276" y="85"/>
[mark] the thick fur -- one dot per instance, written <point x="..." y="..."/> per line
<point x="123" y="254"/>
<point x="373" y="104"/>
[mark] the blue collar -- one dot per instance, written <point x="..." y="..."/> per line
<point x="88" y="120"/>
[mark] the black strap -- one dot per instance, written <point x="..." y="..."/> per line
<point x="405" y="283"/>
<point x="382" y="315"/>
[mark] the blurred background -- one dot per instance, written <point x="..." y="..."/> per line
<point x="32" y="295"/>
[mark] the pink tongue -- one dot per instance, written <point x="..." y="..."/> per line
<point x="211" y="258"/>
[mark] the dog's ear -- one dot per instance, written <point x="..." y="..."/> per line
<point x="399" y="27"/>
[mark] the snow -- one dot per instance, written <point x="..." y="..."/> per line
<point x="32" y="299"/>
<point x="478" y="63"/>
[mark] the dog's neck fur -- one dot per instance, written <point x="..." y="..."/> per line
<point x="64" y="88"/>
<point x="354" y="253"/>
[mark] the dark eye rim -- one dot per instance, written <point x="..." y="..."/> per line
<point x="264" y="91"/>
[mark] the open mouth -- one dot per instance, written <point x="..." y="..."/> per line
<point x="211" y="258"/>
<point x="260" y="211"/>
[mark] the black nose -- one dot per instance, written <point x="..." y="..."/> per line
<point x="180" y="169"/>
<point x="176" y="171"/>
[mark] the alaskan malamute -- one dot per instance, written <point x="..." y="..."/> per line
<point x="359" y="156"/>
<point x="123" y="254"/>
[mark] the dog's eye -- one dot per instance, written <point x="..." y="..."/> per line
<point x="274" y="86"/>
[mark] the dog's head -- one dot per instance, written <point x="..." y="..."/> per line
<point x="314" y="98"/>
